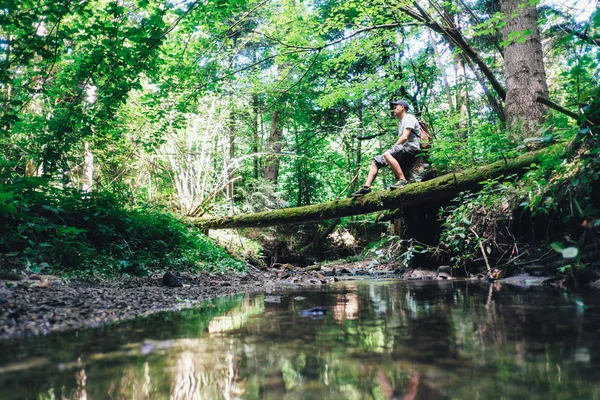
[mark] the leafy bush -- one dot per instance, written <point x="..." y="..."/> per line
<point x="94" y="233"/>
<point x="561" y="192"/>
<point x="478" y="220"/>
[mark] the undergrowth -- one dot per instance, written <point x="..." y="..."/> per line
<point x="49" y="229"/>
<point x="554" y="206"/>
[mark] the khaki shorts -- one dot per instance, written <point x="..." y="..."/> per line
<point x="400" y="152"/>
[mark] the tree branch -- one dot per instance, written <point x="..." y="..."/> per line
<point x="562" y="110"/>
<point x="455" y="37"/>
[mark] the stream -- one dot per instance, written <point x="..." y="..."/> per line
<point x="371" y="339"/>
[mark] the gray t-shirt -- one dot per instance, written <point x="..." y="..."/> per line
<point x="410" y="121"/>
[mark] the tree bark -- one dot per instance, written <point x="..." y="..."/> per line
<point x="255" y="136"/>
<point x="524" y="68"/>
<point x="230" y="167"/>
<point x="271" y="171"/>
<point x="436" y="191"/>
<point x="462" y="97"/>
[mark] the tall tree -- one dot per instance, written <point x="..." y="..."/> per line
<point x="524" y="68"/>
<point x="271" y="164"/>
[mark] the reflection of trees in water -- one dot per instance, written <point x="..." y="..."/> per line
<point x="379" y="341"/>
<point x="198" y="377"/>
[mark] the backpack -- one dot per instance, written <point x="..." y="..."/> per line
<point x="426" y="138"/>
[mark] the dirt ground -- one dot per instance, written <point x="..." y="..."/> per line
<point x="40" y="304"/>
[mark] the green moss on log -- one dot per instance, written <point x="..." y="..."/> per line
<point x="435" y="191"/>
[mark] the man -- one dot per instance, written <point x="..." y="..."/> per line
<point x="408" y="144"/>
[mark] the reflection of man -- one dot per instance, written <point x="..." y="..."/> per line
<point x="407" y="145"/>
<point x="388" y="390"/>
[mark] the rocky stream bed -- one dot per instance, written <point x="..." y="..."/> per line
<point x="41" y="304"/>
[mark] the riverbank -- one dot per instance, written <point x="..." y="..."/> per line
<point x="42" y="304"/>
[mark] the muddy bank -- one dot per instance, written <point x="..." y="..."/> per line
<point x="38" y="305"/>
<point x="43" y="304"/>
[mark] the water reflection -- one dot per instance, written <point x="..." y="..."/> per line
<point x="378" y="340"/>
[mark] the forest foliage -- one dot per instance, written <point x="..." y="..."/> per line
<point x="219" y="108"/>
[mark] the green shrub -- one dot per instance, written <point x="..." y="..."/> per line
<point x="561" y="192"/>
<point x="42" y="226"/>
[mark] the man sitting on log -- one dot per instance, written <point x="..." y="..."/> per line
<point x="408" y="144"/>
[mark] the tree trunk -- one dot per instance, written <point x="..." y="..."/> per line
<point x="462" y="97"/>
<point x="436" y="191"/>
<point x="230" y="166"/>
<point x="524" y="68"/>
<point x="271" y="171"/>
<point x="255" y="135"/>
<point x="87" y="179"/>
<point x="440" y="64"/>
<point x="494" y="103"/>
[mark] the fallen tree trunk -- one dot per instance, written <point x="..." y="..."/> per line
<point x="436" y="191"/>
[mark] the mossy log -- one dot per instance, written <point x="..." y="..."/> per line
<point x="436" y="191"/>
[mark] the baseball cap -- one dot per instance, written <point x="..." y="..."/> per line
<point x="403" y="103"/>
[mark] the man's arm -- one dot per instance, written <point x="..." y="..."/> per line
<point x="404" y="137"/>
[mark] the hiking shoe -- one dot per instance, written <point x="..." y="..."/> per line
<point x="400" y="184"/>
<point x="362" y="191"/>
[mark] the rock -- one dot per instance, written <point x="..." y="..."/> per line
<point x="11" y="275"/>
<point x="171" y="280"/>
<point x="45" y="266"/>
<point x="272" y="299"/>
<point x="4" y="290"/>
<point x="444" y="269"/>
<point x="283" y="274"/>
<point x="314" y="312"/>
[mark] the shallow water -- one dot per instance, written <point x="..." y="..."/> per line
<point x="377" y="340"/>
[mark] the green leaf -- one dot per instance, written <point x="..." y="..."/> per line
<point x="570" y="252"/>
<point x="565" y="268"/>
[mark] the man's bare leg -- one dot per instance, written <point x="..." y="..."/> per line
<point x="394" y="165"/>
<point x="373" y="171"/>
<point x="370" y="178"/>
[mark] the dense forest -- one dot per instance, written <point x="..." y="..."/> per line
<point x="123" y="121"/>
